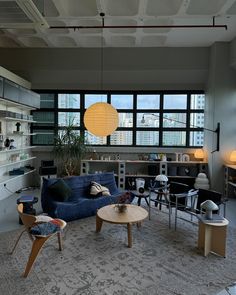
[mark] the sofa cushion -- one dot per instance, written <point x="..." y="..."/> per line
<point x="97" y="190"/>
<point x="60" y="191"/>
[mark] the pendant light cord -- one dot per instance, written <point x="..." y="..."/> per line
<point x="102" y="57"/>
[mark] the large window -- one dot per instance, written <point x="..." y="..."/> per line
<point x="162" y="119"/>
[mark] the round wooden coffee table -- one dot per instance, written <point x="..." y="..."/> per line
<point x="133" y="214"/>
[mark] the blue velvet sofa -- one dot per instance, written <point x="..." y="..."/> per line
<point x="79" y="204"/>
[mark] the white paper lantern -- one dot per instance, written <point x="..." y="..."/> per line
<point x="101" y="119"/>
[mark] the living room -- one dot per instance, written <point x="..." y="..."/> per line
<point x="168" y="70"/>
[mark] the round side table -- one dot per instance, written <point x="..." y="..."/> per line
<point x="141" y="196"/>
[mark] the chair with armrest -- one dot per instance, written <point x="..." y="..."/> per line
<point x="182" y="198"/>
<point x="38" y="240"/>
<point x="178" y="196"/>
<point x="216" y="197"/>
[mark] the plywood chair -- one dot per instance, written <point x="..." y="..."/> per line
<point x="38" y="241"/>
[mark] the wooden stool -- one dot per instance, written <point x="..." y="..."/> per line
<point x="212" y="237"/>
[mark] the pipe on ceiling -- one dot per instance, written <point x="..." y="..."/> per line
<point x="103" y="26"/>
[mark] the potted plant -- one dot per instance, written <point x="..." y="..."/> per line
<point x="69" y="149"/>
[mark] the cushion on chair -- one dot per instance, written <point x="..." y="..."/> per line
<point x="43" y="218"/>
<point x="97" y="190"/>
<point x="45" y="229"/>
<point x="60" y="190"/>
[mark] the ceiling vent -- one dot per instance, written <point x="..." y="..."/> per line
<point x="20" y="14"/>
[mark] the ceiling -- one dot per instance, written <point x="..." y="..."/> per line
<point x="19" y="29"/>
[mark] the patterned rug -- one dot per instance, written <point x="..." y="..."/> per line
<point x="161" y="261"/>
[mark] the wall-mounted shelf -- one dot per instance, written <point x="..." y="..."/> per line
<point x="18" y="150"/>
<point x="18" y="120"/>
<point x="21" y="134"/>
<point x="15" y="162"/>
<point x="8" y="103"/>
<point x="7" y="178"/>
<point x="16" y="102"/>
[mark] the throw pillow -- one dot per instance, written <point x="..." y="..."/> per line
<point x="44" y="229"/>
<point x="43" y="218"/>
<point x="60" y="190"/>
<point x="97" y="190"/>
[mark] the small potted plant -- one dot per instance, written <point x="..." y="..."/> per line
<point x="123" y="200"/>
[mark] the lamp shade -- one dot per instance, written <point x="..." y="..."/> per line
<point x="209" y="205"/>
<point x="199" y="154"/>
<point x="101" y="119"/>
<point x="232" y="157"/>
<point x="161" y="177"/>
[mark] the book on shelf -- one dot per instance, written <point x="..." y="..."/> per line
<point x="216" y="218"/>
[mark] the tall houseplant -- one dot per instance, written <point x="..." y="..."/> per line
<point x="69" y="148"/>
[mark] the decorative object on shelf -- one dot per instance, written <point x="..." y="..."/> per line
<point x="1" y="142"/>
<point x="183" y="171"/>
<point x="69" y="148"/>
<point x="185" y="158"/>
<point x="178" y="157"/>
<point x="162" y="157"/>
<point x="201" y="181"/>
<point x="11" y="146"/>
<point x="140" y="182"/>
<point x="7" y="142"/>
<point x="18" y="124"/>
<point x="232" y="157"/>
<point x="208" y="206"/>
<point x="101" y="118"/>
<point x="199" y="154"/>
<point x="152" y="157"/>
<point x="123" y="200"/>
<point x="162" y="178"/>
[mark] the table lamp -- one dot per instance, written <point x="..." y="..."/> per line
<point x="208" y="206"/>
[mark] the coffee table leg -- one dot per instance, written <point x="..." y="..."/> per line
<point x="98" y="224"/>
<point x="129" y="230"/>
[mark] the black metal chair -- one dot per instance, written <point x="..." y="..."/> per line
<point x="175" y="195"/>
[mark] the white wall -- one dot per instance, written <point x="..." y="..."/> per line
<point x="221" y="107"/>
<point x="124" y="68"/>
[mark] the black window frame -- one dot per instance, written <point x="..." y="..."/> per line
<point x="188" y="128"/>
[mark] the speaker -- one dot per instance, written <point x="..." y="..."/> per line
<point x="48" y="170"/>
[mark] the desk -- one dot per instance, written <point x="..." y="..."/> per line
<point x="212" y="237"/>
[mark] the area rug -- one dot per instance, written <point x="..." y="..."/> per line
<point x="161" y="262"/>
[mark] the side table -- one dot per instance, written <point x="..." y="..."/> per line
<point x="139" y="195"/>
<point x="28" y="202"/>
<point x="212" y="237"/>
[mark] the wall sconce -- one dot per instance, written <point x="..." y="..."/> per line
<point x="232" y="157"/>
<point x="199" y="154"/>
